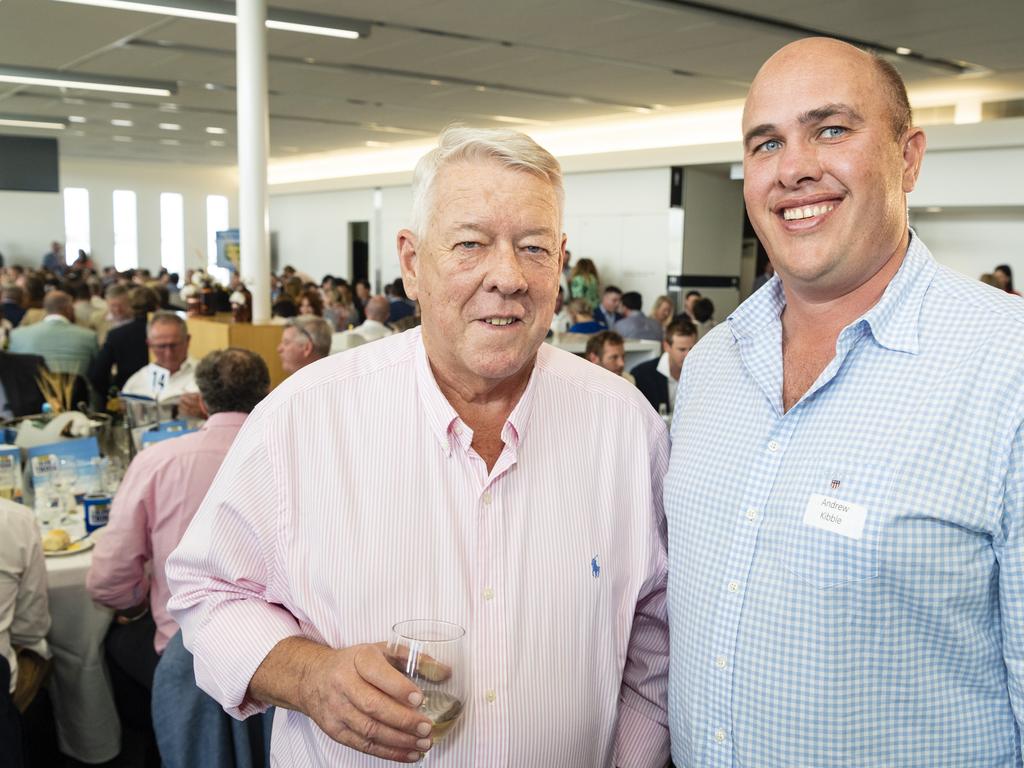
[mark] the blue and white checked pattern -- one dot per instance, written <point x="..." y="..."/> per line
<point x="795" y="646"/>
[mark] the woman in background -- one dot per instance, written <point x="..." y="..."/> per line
<point x="583" y="283"/>
<point x="663" y="311"/>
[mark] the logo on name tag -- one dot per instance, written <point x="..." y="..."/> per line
<point x="835" y="515"/>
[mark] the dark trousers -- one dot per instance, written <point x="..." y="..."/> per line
<point x="10" y="722"/>
<point x="132" y="662"/>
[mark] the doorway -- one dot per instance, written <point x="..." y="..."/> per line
<point x="359" y="250"/>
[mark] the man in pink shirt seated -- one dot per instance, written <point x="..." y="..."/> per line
<point x="156" y="501"/>
<point x="424" y="477"/>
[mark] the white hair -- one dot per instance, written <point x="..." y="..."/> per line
<point x="456" y="143"/>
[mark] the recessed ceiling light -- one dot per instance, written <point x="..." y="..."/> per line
<point x="933" y="209"/>
<point x="480" y="88"/>
<point x="169" y="127"/>
<point x="435" y="82"/>
<point x="903" y="51"/>
<point x="170" y="142"/>
<point x="309" y="60"/>
<point x="76" y="118"/>
<point x="77" y="133"/>
<point x="120" y="105"/>
<point x="122" y="123"/>
<point x="217" y="131"/>
<point x="168" y="107"/>
<point x="121" y="138"/>
<point x="70" y="100"/>
<point x="210" y="86"/>
<point x="216" y="143"/>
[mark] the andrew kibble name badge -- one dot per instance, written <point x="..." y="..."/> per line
<point x="835" y="515"/>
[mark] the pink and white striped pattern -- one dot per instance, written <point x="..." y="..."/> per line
<point x="352" y="500"/>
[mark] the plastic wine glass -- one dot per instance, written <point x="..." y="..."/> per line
<point x="430" y="653"/>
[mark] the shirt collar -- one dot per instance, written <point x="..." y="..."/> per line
<point x="225" y="419"/>
<point x="893" y="321"/>
<point x="443" y="420"/>
<point x="56" y="319"/>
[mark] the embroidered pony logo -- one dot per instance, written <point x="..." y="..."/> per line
<point x="595" y="568"/>
<point x="835" y="484"/>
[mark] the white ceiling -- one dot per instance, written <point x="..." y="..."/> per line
<point x="430" y="62"/>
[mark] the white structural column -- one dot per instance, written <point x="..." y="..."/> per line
<point x="253" y="146"/>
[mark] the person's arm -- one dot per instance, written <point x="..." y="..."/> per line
<point x="31" y="619"/>
<point x="1009" y="550"/>
<point x="117" y="576"/>
<point x="641" y="737"/>
<point x="99" y="373"/>
<point x="248" y="649"/>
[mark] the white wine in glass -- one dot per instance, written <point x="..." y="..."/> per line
<point x="430" y="653"/>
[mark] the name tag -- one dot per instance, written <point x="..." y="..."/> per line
<point x="836" y="516"/>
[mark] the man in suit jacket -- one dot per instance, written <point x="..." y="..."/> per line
<point x="607" y="312"/>
<point x="124" y="351"/>
<point x="19" y="390"/>
<point x="658" y="379"/>
<point x="67" y="348"/>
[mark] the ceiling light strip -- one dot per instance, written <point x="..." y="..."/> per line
<point x="59" y="79"/>
<point x="24" y="121"/>
<point x="221" y="11"/>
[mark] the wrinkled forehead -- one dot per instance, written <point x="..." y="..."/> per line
<point x="478" y="189"/>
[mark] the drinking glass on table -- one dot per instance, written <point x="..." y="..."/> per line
<point x="430" y="653"/>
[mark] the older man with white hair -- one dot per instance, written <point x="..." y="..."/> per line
<point x="318" y="536"/>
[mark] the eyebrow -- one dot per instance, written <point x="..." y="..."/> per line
<point x="810" y="117"/>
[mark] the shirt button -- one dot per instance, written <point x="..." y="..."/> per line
<point x="487" y="497"/>
<point x="457" y="430"/>
<point x="720" y="662"/>
<point x="773" y="446"/>
<point x="734" y="586"/>
<point x="751" y="514"/>
<point x="488" y="593"/>
<point x="491" y="696"/>
<point x="720" y="735"/>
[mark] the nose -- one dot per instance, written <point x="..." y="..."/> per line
<point x="798" y="163"/>
<point x="505" y="272"/>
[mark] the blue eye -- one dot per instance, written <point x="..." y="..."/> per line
<point x="468" y="244"/>
<point x="769" y="146"/>
<point x="534" y="249"/>
<point x="833" y="132"/>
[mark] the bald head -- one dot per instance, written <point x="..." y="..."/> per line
<point x="378" y="308"/>
<point x="59" y="303"/>
<point x="812" y="51"/>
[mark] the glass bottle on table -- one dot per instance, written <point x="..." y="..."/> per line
<point x="431" y="654"/>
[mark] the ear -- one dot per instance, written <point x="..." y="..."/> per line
<point x="408" y="260"/>
<point x="593" y="358"/>
<point x="913" y="153"/>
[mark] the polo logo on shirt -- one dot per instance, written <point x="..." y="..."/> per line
<point x="595" y="568"/>
<point x="835" y="484"/>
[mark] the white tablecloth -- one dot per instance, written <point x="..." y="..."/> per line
<point x="88" y="728"/>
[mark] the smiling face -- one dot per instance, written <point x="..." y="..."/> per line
<point x="485" y="272"/>
<point x="825" y="179"/>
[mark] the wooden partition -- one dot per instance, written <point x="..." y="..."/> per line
<point x="218" y="332"/>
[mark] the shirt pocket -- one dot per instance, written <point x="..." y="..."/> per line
<point x="826" y="559"/>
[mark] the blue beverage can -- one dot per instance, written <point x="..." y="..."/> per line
<point x="97" y="511"/>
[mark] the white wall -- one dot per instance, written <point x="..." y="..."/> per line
<point x="29" y="222"/>
<point x="973" y="242"/>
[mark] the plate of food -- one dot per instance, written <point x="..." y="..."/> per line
<point x="58" y="543"/>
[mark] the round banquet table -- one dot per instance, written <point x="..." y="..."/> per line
<point x="88" y="728"/>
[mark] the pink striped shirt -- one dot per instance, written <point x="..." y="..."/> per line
<point x="352" y="500"/>
<point x="161" y="491"/>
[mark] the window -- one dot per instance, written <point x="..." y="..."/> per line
<point x="172" y="233"/>
<point x="126" y="234"/>
<point x="216" y="221"/>
<point x="76" y="222"/>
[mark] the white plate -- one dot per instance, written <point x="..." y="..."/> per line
<point x="82" y="545"/>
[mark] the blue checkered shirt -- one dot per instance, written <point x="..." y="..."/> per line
<point x="896" y="639"/>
